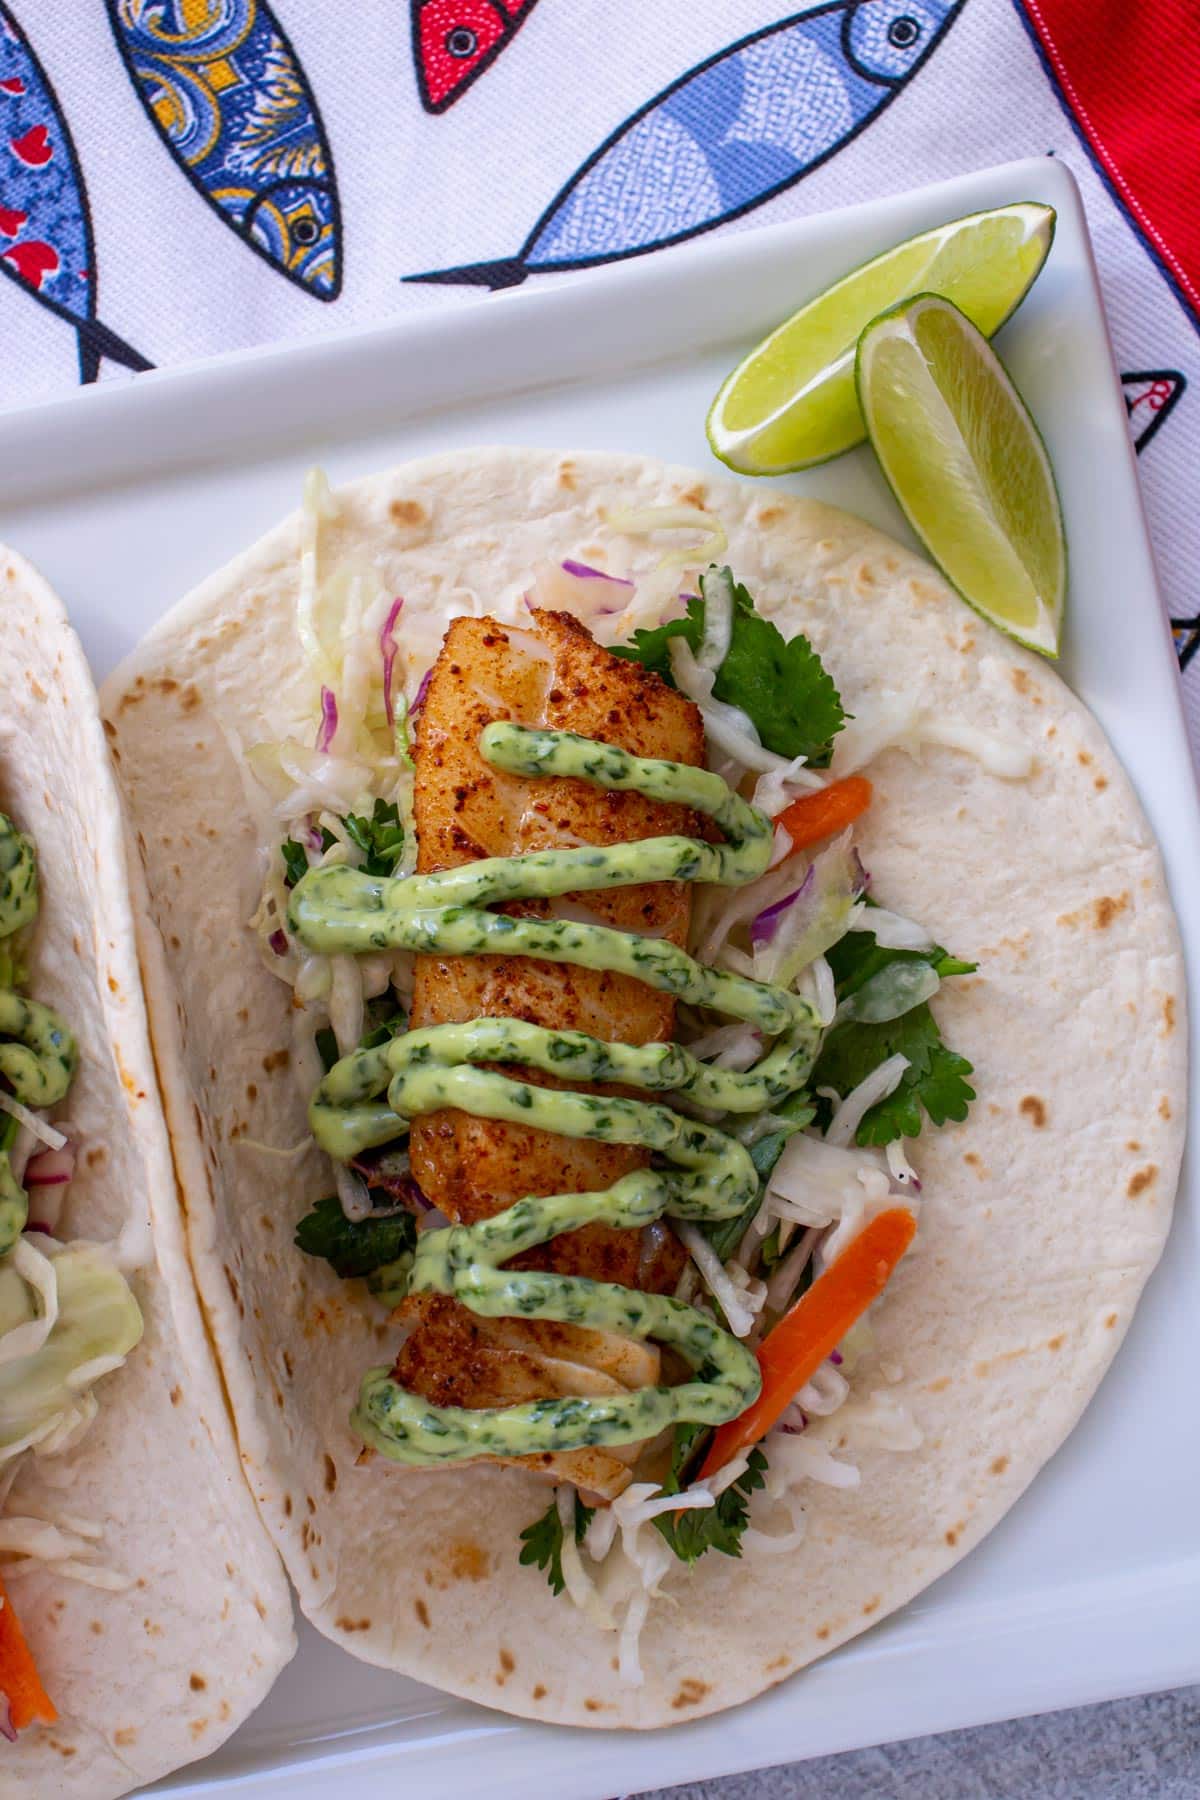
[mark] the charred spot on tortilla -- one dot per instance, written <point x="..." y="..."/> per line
<point x="1034" y="1110"/>
<point x="1107" y="909"/>
<point x="407" y="512"/>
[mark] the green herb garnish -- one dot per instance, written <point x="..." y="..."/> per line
<point x="380" y="838"/>
<point x="779" y="683"/>
<point x="542" y="1542"/>
<point x="354" y="1247"/>
<point x="701" y="1528"/>
<point x="295" y="862"/>
<point x="935" y="1081"/>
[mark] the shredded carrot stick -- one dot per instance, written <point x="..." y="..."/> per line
<point x="19" y="1680"/>
<point x="792" y="1353"/>
<point x="825" y="810"/>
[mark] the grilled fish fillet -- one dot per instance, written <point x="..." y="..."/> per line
<point x="552" y="674"/>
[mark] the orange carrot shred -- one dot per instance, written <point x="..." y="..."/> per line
<point x="825" y="810"/>
<point x="792" y="1353"/>
<point x="19" y="1680"/>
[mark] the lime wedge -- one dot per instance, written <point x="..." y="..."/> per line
<point x="791" y="403"/>
<point x="967" y="464"/>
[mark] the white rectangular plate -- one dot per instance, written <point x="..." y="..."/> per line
<point x="127" y="496"/>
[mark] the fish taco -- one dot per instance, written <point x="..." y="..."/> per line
<point x="143" y="1612"/>
<point x="673" y="1034"/>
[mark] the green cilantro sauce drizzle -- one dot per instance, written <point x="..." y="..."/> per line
<point x="38" y="1053"/>
<point x="367" y="1098"/>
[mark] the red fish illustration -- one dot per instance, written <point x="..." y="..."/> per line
<point x="454" y="41"/>
<point x="46" y="241"/>
<point x="1130" y="83"/>
<point x="1151" y="395"/>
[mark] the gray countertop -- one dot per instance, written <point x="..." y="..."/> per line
<point x="1143" y="1749"/>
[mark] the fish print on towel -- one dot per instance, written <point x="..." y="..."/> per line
<point x="1151" y="396"/>
<point x="1186" y="633"/>
<point x="225" y="91"/>
<point x="728" y="135"/>
<point x="46" y="244"/>
<point x="455" y="41"/>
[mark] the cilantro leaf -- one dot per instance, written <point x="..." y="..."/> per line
<point x="380" y="838"/>
<point x="780" y="683"/>
<point x="543" y="1541"/>
<point x="702" y="1528"/>
<point x="295" y="863"/>
<point x="935" y="1080"/>
<point x="651" y="646"/>
<point x="856" y="958"/>
<point x="354" y="1247"/>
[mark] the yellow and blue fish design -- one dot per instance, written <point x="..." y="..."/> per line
<point x="728" y="135"/>
<point x="46" y="243"/>
<point x="226" y="92"/>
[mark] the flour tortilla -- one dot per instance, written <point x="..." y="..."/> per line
<point x="1043" y="1214"/>
<point x="161" y="1673"/>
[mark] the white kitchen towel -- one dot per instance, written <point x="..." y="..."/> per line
<point x="180" y="178"/>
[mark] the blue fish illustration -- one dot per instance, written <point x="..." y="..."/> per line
<point x="1151" y="396"/>
<point x="728" y="135"/>
<point x="46" y="242"/>
<point x="225" y="90"/>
